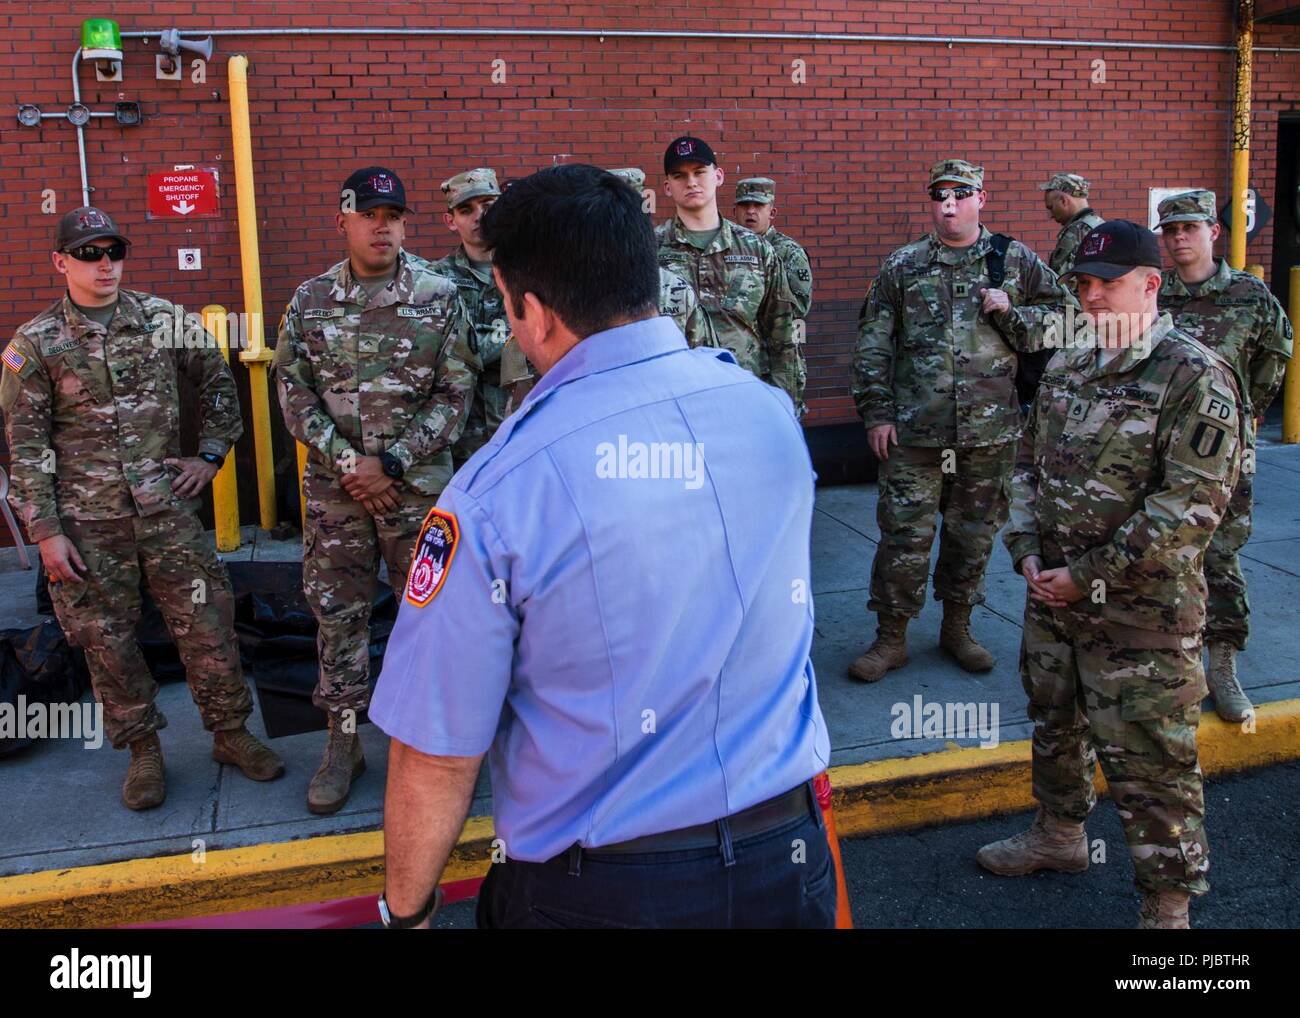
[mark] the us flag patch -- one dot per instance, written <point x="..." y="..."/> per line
<point x="434" y="550"/>
<point x="13" y="360"/>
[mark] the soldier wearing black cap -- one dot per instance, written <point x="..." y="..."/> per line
<point x="376" y="369"/>
<point x="737" y="274"/>
<point x="90" y="398"/>
<point x="1125" y="468"/>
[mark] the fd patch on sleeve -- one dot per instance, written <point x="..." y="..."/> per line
<point x="1209" y="437"/>
<point x="434" y="550"/>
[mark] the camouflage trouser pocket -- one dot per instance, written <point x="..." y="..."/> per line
<point x="1147" y="698"/>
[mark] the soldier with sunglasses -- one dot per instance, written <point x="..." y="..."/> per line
<point x="92" y="417"/>
<point x="934" y="380"/>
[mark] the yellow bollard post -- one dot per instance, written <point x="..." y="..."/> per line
<point x="225" y="488"/>
<point x="1291" y="394"/>
<point x="256" y="356"/>
<point x="1256" y="270"/>
<point x="1241" y="133"/>
<point x="302" y="499"/>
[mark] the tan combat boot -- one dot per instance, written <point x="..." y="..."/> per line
<point x="889" y="651"/>
<point x="1164" y="910"/>
<point x="241" y="749"/>
<point x="1051" y="843"/>
<point x="342" y="765"/>
<point x="1230" y="701"/>
<point x="955" y="638"/>
<point x="144" y="788"/>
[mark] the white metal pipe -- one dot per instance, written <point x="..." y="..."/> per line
<point x="81" y="131"/>
<point x="943" y="40"/>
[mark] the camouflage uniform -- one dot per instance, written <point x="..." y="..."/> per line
<point x="1123" y="472"/>
<point x="930" y="362"/>
<point x="794" y="259"/>
<point x="677" y="299"/>
<point x="1235" y="315"/>
<point x="105" y="403"/>
<point x="391" y="373"/>
<point x="798" y="270"/>
<point x="1073" y="232"/>
<point x="487" y="317"/>
<point x="743" y="290"/>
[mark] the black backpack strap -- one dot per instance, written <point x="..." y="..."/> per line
<point x="1030" y="366"/>
<point x="996" y="260"/>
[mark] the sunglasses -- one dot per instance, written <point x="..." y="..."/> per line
<point x="116" y="251"/>
<point x="960" y="193"/>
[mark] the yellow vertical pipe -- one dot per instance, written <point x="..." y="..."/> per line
<point x="225" y="488"/>
<point x="1241" y="133"/>
<point x="1256" y="270"/>
<point x="302" y="499"/>
<point x="1291" y="394"/>
<point x="256" y="355"/>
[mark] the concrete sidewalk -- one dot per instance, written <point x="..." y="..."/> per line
<point x="62" y="802"/>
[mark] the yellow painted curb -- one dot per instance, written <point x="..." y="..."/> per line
<point x="872" y="798"/>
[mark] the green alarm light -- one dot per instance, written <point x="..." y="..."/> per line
<point x="101" y="39"/>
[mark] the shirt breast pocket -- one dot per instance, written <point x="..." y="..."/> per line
<point x="744" y="297"/>
<point x="72" y="388"/>
<point x="923" y="303"/>
<point x="1113" y="439"/>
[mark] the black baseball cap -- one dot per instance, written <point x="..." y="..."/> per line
<point x="1115" y="248"/>
<point x="85" y="224"/>
<point x="687" y="150"/>
<point x="372" y="187"/>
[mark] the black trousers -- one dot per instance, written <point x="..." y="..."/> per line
<point x="783" y="878"/>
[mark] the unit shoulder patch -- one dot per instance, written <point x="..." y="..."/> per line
<point x="431" y="561"/>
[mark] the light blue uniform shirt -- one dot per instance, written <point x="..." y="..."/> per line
<point x="626" y="616"/>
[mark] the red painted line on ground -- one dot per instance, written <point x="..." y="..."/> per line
<point x="343" y="913"/>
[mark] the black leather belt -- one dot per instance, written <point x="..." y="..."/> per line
<point x="799" y="802"/>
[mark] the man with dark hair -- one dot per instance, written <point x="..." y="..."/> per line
<point x="651" y="762"/>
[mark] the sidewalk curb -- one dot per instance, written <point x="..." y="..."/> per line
<point x="872" y="798"/>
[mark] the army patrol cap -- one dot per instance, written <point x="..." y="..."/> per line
<point x="760" y="190"/>
<point x="371" y="187"/>
<point x="1069" y="183"/>
<point x="957" y="171"/>
<point x="631" y="176"/>
<point x="687" y="150"/>
<point x="1188" y="207"/>
<point x="1116" y="248"/>
<point x="477" y="183"/>
<point x="85" y="224"/>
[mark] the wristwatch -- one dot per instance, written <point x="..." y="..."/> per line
<point x="213" y="458"/>
<point x="394" y="922"/>
<point x="392" y="465"/>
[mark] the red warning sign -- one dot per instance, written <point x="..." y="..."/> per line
<point x="184" y="192"/>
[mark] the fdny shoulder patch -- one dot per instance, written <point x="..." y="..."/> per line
<point x="434" y="550"/>
<point x="13" y="360"/>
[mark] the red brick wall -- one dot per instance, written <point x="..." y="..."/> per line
<point x="849" y="147"/>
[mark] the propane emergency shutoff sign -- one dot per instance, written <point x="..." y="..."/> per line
<point x="184" y="192"/>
